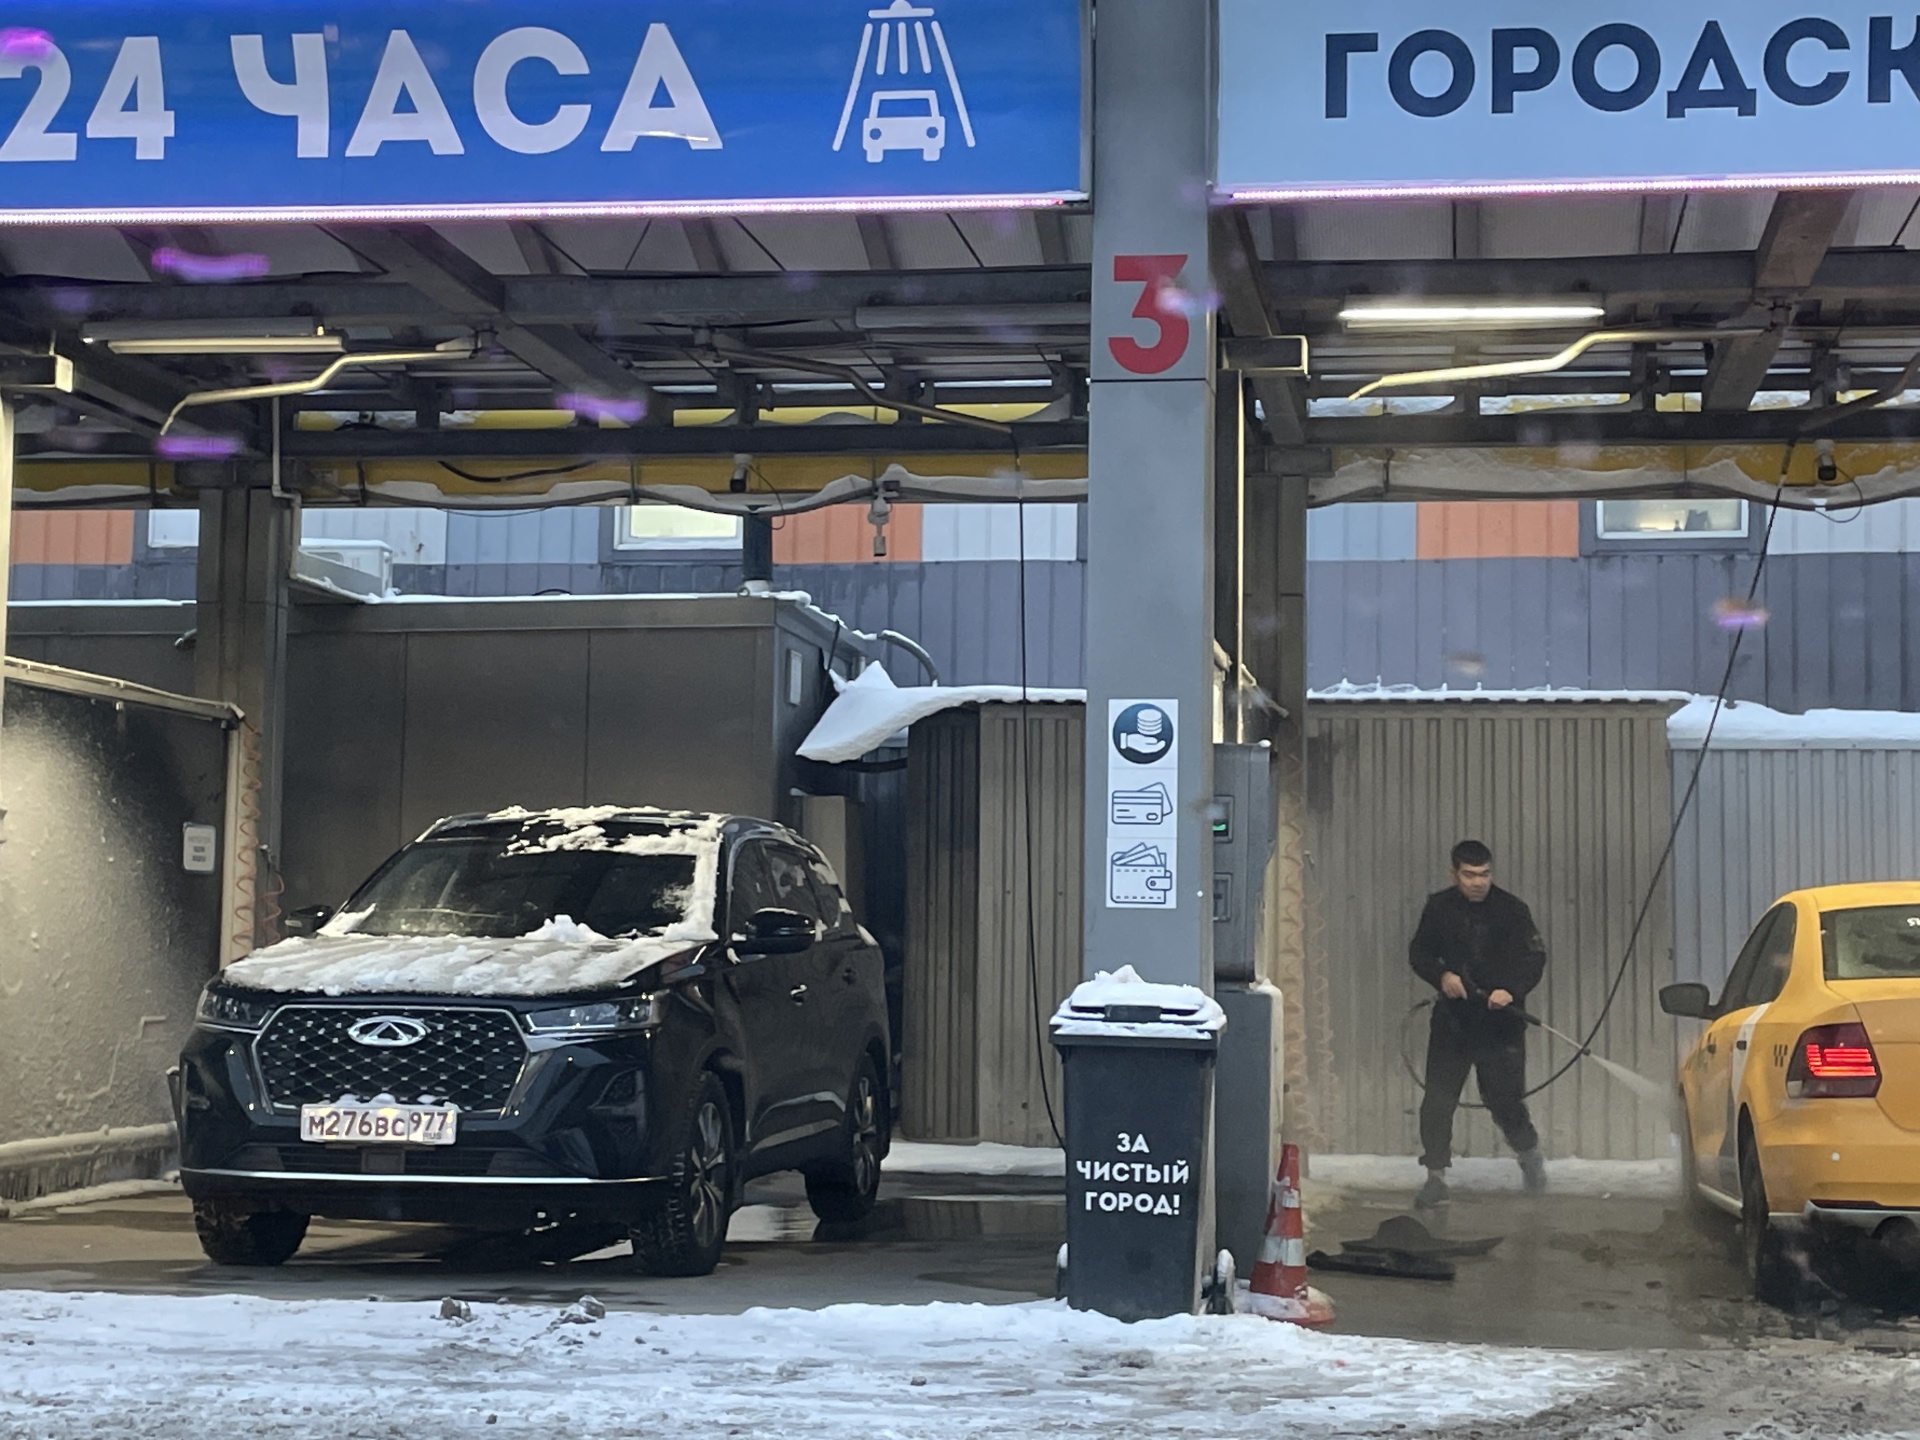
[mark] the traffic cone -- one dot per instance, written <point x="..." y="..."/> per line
<point x="1279" y="1288"/>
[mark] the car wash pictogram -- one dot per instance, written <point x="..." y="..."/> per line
<point x="899" y="70"/>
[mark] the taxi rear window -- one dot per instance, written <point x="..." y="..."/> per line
<point x="1874" y="942"/>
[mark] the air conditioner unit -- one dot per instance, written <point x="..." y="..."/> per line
<point x="372" y="558"/>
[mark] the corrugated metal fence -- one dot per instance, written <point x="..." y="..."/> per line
<point x="1765" y="821"/>
<point x="981" y="981"/>
<point x="1573" y="797"/>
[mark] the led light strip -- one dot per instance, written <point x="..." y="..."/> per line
<point x="535" y="210"/>
<point x="1471" y="189"/>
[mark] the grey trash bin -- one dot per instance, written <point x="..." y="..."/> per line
<point x="1138" y="1060"/>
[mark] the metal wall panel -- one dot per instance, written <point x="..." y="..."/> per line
<point x="1461" y="529"/>
<point x="940" y="1078"/>
<point x="493" y="719"/>
<point x="398" y="715"/>
<point x="1837" y="633"/>
<point x="345" y="763"/>
<point x="1032" y="778"/>
<point x="993" y="943"/>
<point x="966" y="613"/>
<point x="1763" y="822"/>
<point x="1573" y="798"/>
<point x="1362" y="532"/>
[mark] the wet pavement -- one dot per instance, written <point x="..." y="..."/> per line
<point x="1571" y="1272"/>
<point x="931" y="1238"/>
<point x="1588" y="1273"/>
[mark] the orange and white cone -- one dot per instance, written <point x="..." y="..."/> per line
<point x="1279" y="1288"/>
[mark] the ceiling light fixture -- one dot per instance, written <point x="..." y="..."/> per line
<point x="218" y="337"/>
<point x="1467" y="314"/>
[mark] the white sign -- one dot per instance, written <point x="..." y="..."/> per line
<point x="199" y="849"/>
<point x="1143" y="786"/>
<point x="1438" y="97"/>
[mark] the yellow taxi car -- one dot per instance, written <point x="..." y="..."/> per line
<point x="1801" y="1096"/>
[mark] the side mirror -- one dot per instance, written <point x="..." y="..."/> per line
<point x="776" y="932"/>
<point x="307" y="920"/>
<point x="1690" y="1001"/>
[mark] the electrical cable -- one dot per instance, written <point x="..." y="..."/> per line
<point x="1026" y="808"/>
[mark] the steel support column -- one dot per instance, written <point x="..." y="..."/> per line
<point x="1150" y="536"/>
<point x="247" y="538"/>
<point x="1150" y="533"/>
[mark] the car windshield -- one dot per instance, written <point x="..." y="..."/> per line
<point x="917" y="106"/>
<point x="1875" y="942"/>
<point x="486" y="886"/>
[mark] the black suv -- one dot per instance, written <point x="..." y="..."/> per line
<point x="534" y="1020"/>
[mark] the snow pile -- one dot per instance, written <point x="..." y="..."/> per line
<point x="560" y="957"/>
<point x="451" y="965"/>
<point x="86" y="1365"/>
<point x="870" y="707"/>
<point x="1185" y="1010"/>
<point x="1493" y="1175"/>
<point x="916" y="1157"/>
<point x="1747" y="726"/>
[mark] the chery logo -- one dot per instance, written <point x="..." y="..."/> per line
<point x="387" y="1032"/>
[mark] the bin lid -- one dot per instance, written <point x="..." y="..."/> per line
<point x="1121" y="1006"/>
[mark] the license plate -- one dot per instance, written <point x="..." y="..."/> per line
<point x="344" y="1123"/>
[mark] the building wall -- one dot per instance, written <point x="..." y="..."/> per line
<point x="1493" y="594"/>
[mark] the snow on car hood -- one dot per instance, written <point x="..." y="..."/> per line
<point x="557" y="959"/>
<point x="561" y="957"/>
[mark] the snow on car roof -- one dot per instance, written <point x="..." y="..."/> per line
<point x="555" y="959"/>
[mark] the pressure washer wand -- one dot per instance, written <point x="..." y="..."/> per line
<point x="1532" y="1019"/>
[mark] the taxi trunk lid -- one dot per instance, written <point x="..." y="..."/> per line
<point x="1890" y="1009"/>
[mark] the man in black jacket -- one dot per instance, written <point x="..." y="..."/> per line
<point x="1478" y="947"/>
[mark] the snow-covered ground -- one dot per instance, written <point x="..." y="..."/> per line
<point x="170" y="1366"/>
<point x="920" y="1157"/>
<point x="1493" y="1175"/>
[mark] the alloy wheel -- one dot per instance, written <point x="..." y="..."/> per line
<point x="707" y="1173"/>
<point x="866" y="1136"/>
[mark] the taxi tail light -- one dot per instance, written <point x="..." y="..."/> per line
<point x="1835" y="1061"/>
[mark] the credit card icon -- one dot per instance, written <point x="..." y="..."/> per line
<point x="1149" y="805"/>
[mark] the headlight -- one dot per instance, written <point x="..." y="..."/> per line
<point x="227" y="1011"/>
<point x="602" y="1017"/>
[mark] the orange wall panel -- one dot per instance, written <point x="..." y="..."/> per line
<point x="1464" y="529"/>
<point x="73" y="537"/>
<point x="840" y="535"/>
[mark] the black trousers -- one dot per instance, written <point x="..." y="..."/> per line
<point x="1498" y="1052"/>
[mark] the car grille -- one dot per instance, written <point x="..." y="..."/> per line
<point x="470" y="1057"/>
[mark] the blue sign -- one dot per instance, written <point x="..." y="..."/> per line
<point x="1438" y="97"/>
<point x="120" y="110"/>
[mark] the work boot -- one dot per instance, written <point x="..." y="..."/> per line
<point x="1434" y="1193"/>
<point x="1533" y="1171"/>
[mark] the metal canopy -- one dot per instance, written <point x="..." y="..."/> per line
<point x="764" y="337"/>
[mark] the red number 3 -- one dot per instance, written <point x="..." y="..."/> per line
<point x="1156" y="274"/>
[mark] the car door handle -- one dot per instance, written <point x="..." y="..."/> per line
<point x="798" y="992"/>
<point x="850" y="975"/>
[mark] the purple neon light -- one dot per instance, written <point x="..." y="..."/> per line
<point x="564" y="210"/>
<point x="1475" y="189"/>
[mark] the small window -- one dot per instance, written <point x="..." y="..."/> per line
<point x="751" y="889"/>
<point x="793" y="884"/>
<point x="673" y="527"/>
<point x="1776" y="960"/>
<point x="1672" y="520"/>
<point x="173" y="529"/>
